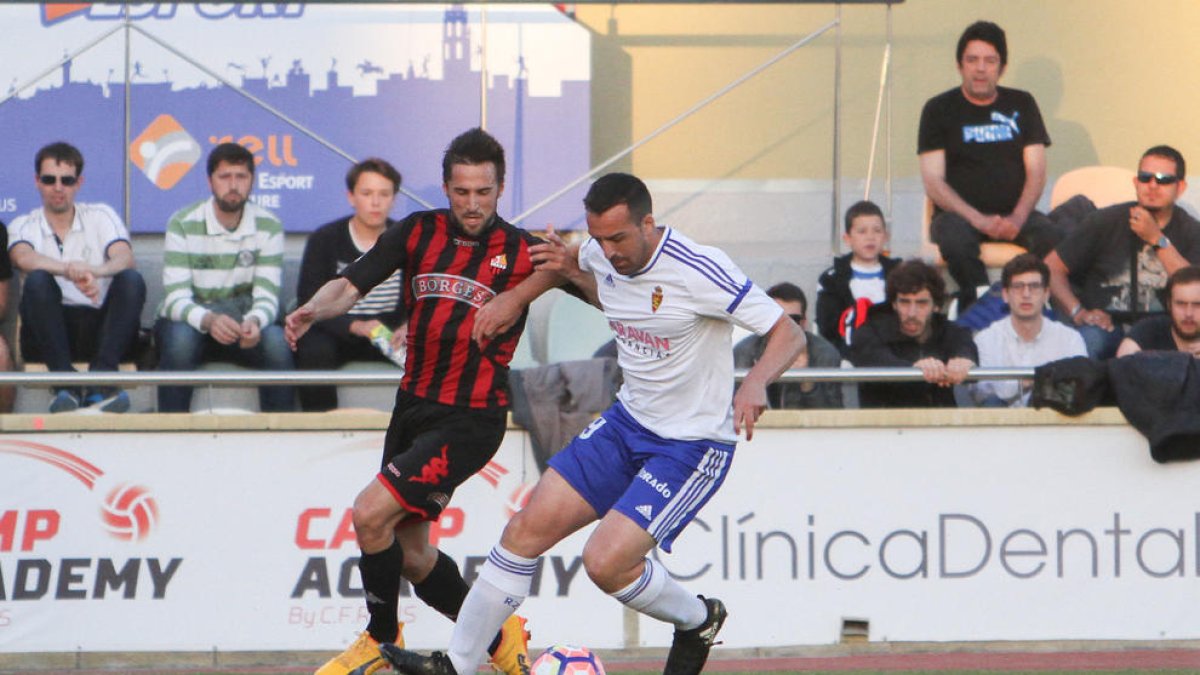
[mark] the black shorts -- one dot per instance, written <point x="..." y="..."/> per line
<point x="432" y="448"/>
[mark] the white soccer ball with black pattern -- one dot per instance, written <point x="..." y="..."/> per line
<point x="567" y="660"/>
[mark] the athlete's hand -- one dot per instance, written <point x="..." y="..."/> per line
<point x="497" y="316"/>
<point x="297" y="324"/>
<point x="748" y="403"/>
<point x="554" y="255"/>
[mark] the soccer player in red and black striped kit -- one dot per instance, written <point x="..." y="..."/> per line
<point x="450" y="412"/>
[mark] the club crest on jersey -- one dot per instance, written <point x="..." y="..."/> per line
<point x="500" y="262"/>
<point x="656" y="298"/>
<point x="453" y="287"/>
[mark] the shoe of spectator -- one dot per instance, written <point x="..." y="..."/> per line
<point x="65" y="400"/>
<point x="109" y="401"/>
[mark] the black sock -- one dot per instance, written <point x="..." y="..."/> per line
<point x="444" y="588"/>
<point x="381" y="582"/>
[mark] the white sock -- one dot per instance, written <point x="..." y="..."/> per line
<point x="656" y="594"/>
<point x="502" y="586"/>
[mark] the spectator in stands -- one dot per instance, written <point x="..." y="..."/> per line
<point x="222" y="265"/>
<point x="1023" y="338"/>
<point x="910" y="332"/>
<point x="856" y="280"/>
<point x="819" y="354"/>
<point x="81" y="297"/>
<point x="377" y="317"/>
<point x="1112" y="268"/>
<point x="7" y="394"/>
<point x="1179" y="329"/>
<point x="983" y="162"/>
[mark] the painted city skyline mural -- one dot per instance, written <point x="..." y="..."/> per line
<point x="395" y="81"/>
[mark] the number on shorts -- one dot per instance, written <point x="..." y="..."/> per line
<point x="592" y="428"/>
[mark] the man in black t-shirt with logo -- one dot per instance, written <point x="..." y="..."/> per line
<point x="982" y="149"/>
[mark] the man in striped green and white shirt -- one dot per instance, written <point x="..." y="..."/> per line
<point x="222" y="268"/>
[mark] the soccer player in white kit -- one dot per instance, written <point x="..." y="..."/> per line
<point x="653" y="459"/>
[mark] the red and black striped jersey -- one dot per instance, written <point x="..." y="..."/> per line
<point x="449" y="275"/>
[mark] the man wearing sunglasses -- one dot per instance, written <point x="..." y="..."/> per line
<point x="81" y="298"/>
<point x="818" y="353"/>
<point x="1111" y="270"/>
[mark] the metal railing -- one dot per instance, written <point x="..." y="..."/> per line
<point x="242" y="378"/>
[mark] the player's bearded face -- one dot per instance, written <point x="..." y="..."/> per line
<point x="628" y="245"/>
<point x="473" y="191"/>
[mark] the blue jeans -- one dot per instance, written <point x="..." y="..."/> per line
<point x="183" y="348"/>
<point x="1101" y="344"/>
<point x="57" y="334"/>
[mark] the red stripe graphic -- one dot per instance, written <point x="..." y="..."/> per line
<point x="86" y="472"/>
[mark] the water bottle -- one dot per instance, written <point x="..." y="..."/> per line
<point x="381" y="337"/>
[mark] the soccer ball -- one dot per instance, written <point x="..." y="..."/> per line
<point x="567" y="660"/>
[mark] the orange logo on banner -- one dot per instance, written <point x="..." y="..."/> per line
<point x="62" y="10"/>
<point x="165" y="152"/>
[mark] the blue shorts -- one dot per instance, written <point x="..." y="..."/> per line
<point x="661" y="484"/>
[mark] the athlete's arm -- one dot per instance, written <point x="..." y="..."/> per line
<point x="784" y="343"/>
<point x="502" y="311"/>
<point x="556" y="264"/>
<point x="335" y="298"/>
<point x="557" y="257"/>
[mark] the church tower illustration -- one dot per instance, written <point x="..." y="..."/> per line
<point x="456" y="43"/>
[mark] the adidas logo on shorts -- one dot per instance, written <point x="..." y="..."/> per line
<point x="646" y="510"/>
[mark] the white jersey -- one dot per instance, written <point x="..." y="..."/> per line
<point x="673" y="324"/>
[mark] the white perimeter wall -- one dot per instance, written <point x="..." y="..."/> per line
<point x="930" y="533"/>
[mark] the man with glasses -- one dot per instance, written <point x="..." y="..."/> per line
<point x="81" y="298"/>
<point x="982" y="149"/>
<point x="1111" y="270"/>
<point x="1025" y="337"/>
<point x="819" y="353"/>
